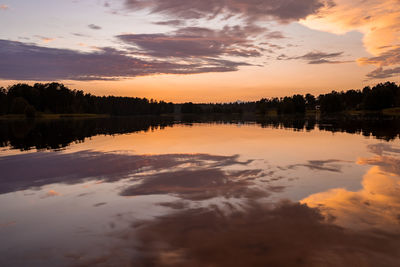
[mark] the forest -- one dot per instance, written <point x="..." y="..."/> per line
<point x="379" y="97"/>
<point x="56" y="98"/>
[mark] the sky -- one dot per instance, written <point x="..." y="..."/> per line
<point x="201" y="50"/>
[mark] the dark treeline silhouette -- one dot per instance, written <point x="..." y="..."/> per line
<point x="382" y="96"/>
<point x="226" y="108"/>
<point x="57" y="134"/>
<point x="56" y="98"/>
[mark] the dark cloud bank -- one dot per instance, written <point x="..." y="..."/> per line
<point x="251" y="10"/>
<point x="21" y="61"/>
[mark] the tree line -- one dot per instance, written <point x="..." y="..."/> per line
<point x="379" y="97"/>
<point x="57" y="98"/>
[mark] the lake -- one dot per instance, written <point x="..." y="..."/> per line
<point x="200" y="191"/>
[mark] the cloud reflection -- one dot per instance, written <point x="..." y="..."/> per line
<point x="333" y="228"/>
<point x="330" y="165"/>
<point x="189" y="176"/>
<point x="283" y="234"/>
<point x="199" y="184"/>
<point x="377" y="204"/>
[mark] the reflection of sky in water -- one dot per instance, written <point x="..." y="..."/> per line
<point x="117" y="194"/>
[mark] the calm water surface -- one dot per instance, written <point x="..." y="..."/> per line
<point x="168" y="192"/>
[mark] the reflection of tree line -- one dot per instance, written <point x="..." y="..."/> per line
<point x="56" y="134"/>
<point x="379" y="127"/>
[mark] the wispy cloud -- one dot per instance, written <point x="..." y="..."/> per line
<point x="80" y="34"/>
<point x="318" y="57"/>
<point x="45" y="39"/>
<point x="387" y="58"/>
<point x="275" y="35"/>
<point x="51" y="193"/>
<point x="4" y="7"/>
<point x="381" y="73"/>
<point x="390" y="57"/>
<point x="94" y="27"/>
<point x="174" y="22"/>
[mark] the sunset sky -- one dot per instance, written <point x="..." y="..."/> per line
<point x="201" y="50"/>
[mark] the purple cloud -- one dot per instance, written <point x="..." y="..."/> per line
<point x="317" y="57"/>
<point x="94" y="27"/>
<point x="198" y="42"/>
<point x="174" y="22"/>
<point x="21" y="61"/>
<point x="282" y="10"/>
<point x="387" y="58"/>
<point x="381" y="73"/>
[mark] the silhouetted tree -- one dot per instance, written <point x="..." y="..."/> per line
<point x="331" y="102"/>
<point x="381" y="96"/>
<point x="310" y="101"/>
<point x="189" y="108"/>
